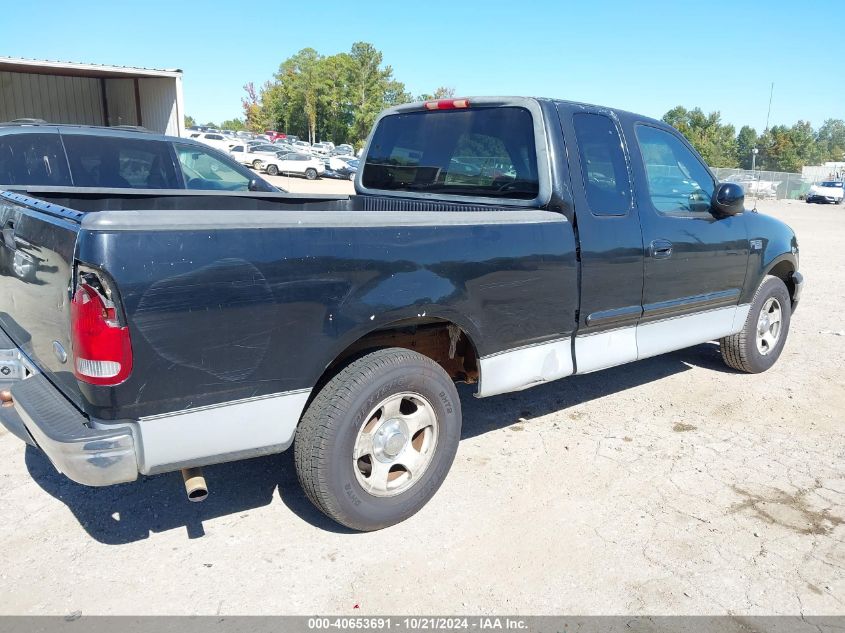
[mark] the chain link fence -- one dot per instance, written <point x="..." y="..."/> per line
<point x="778" y="185"/>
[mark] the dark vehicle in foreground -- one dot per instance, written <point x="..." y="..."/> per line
<point x="42" y="154"/>
<point x="503" y="242"/>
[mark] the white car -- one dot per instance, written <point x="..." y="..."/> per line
<point x="216" y="140"/>
<point x="827" y="191"/>
<point x="294" y="163"/>
<point x="252" y="155"/>
<point x="302" y="146"/>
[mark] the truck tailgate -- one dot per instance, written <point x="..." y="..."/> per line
<point x="36" y="264"/>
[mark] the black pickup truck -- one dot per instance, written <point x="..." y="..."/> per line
<point x="504" y="242"/>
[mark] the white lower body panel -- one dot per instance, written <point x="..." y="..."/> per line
<point x="244" y="428"/>
<point x="517" y="369"/>
<point x="669" y="335"/>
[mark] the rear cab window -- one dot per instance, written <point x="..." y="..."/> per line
<point x="119" y="162"/>
<point x="33" y="159"/>
<point x="485" y="152"/>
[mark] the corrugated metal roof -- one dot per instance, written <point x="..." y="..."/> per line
<point x="43" y="66"/>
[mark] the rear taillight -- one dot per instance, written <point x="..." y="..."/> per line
<point x="101" y="346"/>
<point x="447" y="104"/>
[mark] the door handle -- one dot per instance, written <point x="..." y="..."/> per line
<point x="660" y="249"/>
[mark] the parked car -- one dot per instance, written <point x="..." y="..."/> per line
<point x="168" y="332"/>
<point x="343" y="150"/>
<point x="274" y="136"/>
<point x="293" y="164"/>
<point x="302" y="146"/>
<point x="320" y="149"/>
<point x="343" y="170"/>
<point x="102" y="157"/>
<point x="832" y="191"/>
<point x="217" y="140"/>
<point x="252" y="155"/>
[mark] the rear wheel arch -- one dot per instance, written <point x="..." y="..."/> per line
<point x="430" y="336"/>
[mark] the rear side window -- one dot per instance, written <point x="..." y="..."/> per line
<point x="122" y="163"/>
<point x="603" y="168"/>
<point x="488" y="152"/>
<point x="33" y="159"/>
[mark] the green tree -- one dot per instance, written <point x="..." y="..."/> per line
<point x="714" y="140"/>
<point x="789" y="149"/>
<point x="373" y="87"/>
<point x="233" y="124"/>
<point x="746" y="141"/>
<point x="255" y="119"/>
<point x="831" y="138"/>
<point x="189" y="121"/>
<point x="443" y="92"/>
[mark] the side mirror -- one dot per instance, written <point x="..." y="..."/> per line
<point x="728" y="200"/>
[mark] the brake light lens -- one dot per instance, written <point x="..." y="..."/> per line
<point x="102" y="348"/>
<point x="447" y="104"/>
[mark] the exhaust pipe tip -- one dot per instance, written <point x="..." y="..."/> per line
<point x="195" y="486"/>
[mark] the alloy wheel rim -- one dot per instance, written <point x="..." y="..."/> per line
<point x="395" y="445"/>
<point x="769" y="326"/>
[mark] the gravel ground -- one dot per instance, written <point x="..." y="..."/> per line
<point x="671" y="485"/>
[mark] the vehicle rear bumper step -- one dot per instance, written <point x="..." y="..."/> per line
<point x="87" y="456"/>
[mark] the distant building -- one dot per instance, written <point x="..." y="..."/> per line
<point x="91" y="94"/>
<point x="828" y="171"/>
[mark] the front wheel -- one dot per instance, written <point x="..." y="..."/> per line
<point x="311" y="174"/>
<point x="272" y="170"/>
<point x="256" y="164"/>
<point x="377" y="441"/>
<point x="758" y="345"/>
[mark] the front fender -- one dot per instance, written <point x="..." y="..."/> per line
<point x="773" y="247"/>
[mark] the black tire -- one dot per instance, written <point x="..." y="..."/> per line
<point x="256" y="164"/>
<point x="329" y="428"/>
<point x="311" y="173"/>
<point x="272" y="170"/>
<point x="740" y="350"/>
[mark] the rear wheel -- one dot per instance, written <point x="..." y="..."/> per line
<point x="272" y="170"/>
<point x="311" y="173"/>
<point x="256" y="164"/>
<point x="760" y="342"/>
<point x="376" y="442"/>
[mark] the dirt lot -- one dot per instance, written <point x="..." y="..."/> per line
<point x="672" y="485"/>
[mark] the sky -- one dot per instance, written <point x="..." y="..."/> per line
<point x="642" y="56"/>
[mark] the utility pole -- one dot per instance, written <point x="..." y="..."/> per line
<point x="754" y="159"/>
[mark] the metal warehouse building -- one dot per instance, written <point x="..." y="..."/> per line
<point x="91" y="94"/>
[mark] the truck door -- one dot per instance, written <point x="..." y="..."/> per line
<point x="695" y="263"/>
<point x="610" y="239"/>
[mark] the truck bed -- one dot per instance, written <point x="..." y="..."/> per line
<point x="221" y="290"/>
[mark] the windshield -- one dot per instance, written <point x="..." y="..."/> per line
<point x="486" y="152"/>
